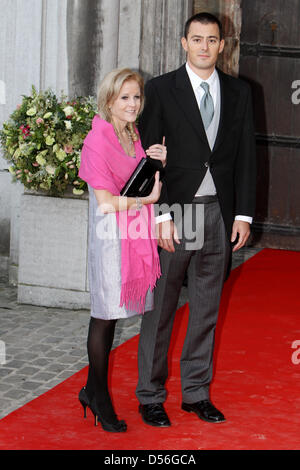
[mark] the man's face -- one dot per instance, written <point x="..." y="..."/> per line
<point x="203" y="46"/>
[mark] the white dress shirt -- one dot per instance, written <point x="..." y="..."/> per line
<point x="207" y="186"/>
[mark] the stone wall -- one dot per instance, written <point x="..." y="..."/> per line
<point x="162" y="25"/>
<point x="64" y="45"/>
<point x="32" y="52"/>
<point x="230" y="14"/>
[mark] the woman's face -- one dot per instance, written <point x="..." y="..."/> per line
<point x="126" y="106"/>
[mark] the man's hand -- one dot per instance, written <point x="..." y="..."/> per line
<point x="166" y="234"/>
<point x="241" y="229"/>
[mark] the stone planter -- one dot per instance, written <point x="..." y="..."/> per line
<point x="53" y="251"/>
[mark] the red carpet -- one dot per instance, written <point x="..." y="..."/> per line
<point x="256" y="384"/>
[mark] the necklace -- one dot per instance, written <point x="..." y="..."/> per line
<point x="127" y="148"/>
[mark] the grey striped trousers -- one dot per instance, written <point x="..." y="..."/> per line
<point x="206" y="270"/>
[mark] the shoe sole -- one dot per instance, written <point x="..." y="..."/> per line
<point x="201" y="417"/>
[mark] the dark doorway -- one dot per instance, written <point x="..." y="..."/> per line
<point x="270" y="61"/>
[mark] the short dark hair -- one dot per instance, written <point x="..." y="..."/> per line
<point x="204" y="18"/>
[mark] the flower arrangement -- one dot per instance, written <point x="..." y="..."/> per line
<point x="43" y="139"/>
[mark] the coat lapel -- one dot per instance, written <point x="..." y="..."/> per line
<point x="186" y="99"/>
<point x="229" y="100"/>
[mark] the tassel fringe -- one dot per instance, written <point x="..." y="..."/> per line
<point x="133" y="293"/>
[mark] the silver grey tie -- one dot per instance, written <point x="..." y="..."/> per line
<point x="206" y="106"/>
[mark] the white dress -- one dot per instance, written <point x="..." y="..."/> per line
<point x="104" y="265"/>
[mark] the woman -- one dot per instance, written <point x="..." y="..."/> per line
<point x="123" y="266"/>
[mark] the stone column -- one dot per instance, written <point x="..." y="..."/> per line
<point x="129" y="33"/>
<point x="104" y="36"/>
<point x="230" y="14"/>
<point x="54" y="53"/>
<point x="84" y="39"/>
<point x="161" y="31"/>
<point x="108" y="46"/>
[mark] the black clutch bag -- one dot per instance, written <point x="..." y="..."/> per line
<point x="142" y="179"/>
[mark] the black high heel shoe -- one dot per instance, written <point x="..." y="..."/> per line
<point x="119" y="426"/>
<point x="84" y="400"/>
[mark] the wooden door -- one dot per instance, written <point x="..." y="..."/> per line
<point x="270" y="61"/>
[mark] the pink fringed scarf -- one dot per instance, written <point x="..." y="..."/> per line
<point x="104" y="165"/>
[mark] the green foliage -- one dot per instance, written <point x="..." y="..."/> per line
<point x="43" y="138"/>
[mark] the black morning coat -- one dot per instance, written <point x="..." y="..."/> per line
<point x="171" y="110"/>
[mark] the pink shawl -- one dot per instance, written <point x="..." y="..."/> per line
<point x="104" y="165"/>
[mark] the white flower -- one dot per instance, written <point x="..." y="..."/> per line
<point x="50" y="140"/>
<point x="31" y="111"/>
<point x="69" y="110"/>
<point x="40" y="157"/>
<point x="68" y="125"/>
<point x="47" y="115"/>
<point x="78" y="192"/>
<point x="60" y="155"/>
<point x="50" y="169"/>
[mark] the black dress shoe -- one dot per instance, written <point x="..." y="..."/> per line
<point x="155" y="415"/>
<point x="205" y="410"/>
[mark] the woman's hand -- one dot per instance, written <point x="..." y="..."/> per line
<point x="155" y="193"/>
<point x="158" y="152"/>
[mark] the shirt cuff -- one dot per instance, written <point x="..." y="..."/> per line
<point x="163" y="218"/>
<point x="244" y="218"/>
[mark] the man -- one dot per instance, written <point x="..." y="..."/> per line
<point x="206" y="119"/>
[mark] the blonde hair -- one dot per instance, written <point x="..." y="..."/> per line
<point x="110" y="88"/>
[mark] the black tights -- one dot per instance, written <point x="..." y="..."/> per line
<point x="99" y="343"/>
